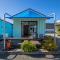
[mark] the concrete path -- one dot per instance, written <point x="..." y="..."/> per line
<point x="27" y="57"/>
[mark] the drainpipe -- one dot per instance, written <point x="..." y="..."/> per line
<point x="54" y="27"/>
<point x="4" y="34"/>
<point x="54" y="18"/>
<point x="4" y="31"/>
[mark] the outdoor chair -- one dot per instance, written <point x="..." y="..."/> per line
<point x="8" y="45"/>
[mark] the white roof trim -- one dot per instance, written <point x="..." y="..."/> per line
<point x="8" y="20"/>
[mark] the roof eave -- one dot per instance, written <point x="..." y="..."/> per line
<point x="29" y="17"/>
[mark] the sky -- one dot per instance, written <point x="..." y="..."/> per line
<point x="46" y="7"/>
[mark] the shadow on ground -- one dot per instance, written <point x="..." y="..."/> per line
<point x="37" y="55"/>
<point x="7" y="56"/>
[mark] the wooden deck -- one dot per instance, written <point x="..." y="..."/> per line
<point x="22" y="39"/>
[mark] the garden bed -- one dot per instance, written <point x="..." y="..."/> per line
<point x="46" y="45"/>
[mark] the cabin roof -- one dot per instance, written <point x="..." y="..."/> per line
<point x="29" y="13"/>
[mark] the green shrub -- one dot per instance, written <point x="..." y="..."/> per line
<point x="28" y="46"/>
<point x="48" y="38"/>
<point x="49" y="44"/>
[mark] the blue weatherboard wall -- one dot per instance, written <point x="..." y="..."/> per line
<point x="17" y="26"/>
<point x="8" y="28"/>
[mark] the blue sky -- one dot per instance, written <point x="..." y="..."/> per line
<point x="45" y="6"/>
